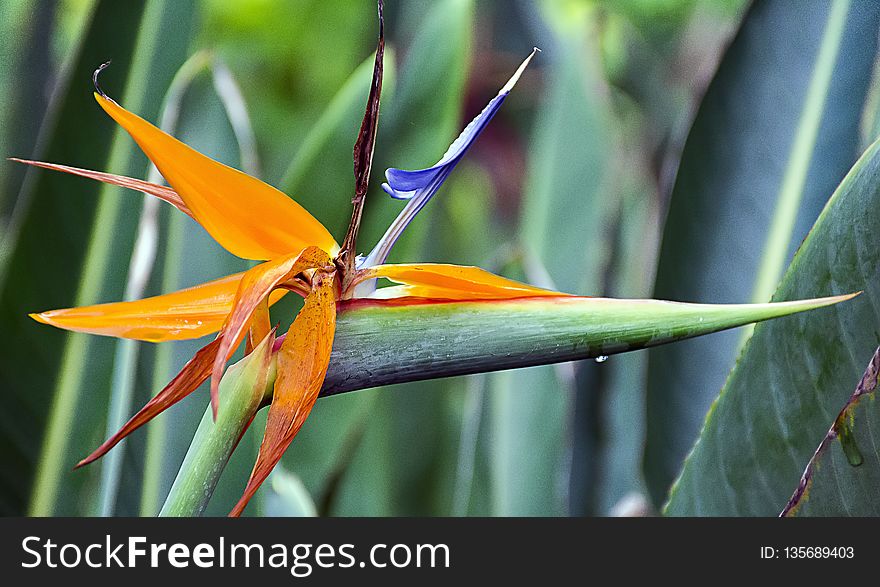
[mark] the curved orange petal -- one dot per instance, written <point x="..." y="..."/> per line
<point x="249" y="218"/>
<point x="189" y="313"/>
<point x="302" y="365"/>
<point x="257" y="283"/>
<point x="454" y="282"/>
<point x="160" y="191"/>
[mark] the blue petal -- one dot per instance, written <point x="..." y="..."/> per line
<point x="418" y="187"/>
<point x="404" y="185"/>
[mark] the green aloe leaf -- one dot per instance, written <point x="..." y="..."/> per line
<point x="794" y="374"/>
<point x="776" y="132"/>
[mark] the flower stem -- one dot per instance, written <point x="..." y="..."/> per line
<point x="214" y="441"/>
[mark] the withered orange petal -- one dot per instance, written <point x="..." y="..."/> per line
<point x="193" y="374"/>
<point x="160" y="191"/>
<point x="434" y="280"/>
<point x="257" y="283"/>
<point x="189" y="313"/>
<point x="249" y="218"/>
<point x="302" y="365"/>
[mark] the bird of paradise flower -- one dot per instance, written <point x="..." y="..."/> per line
<point x="255" y="221"/>
<point x="297" y="254"/>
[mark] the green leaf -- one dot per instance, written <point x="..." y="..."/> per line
<point x="323" y="160"/>
<point x="842" y="477"/>
<point x="24" y="60"/>
<point x="776" y="132"/>
<point x="617" y="409"/>
<point x="78" y="133"/>
<point x="795" y="373"/>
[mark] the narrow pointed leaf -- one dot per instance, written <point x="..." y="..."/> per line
<point x="569" y="196"/>
<point x="80" y="235"/>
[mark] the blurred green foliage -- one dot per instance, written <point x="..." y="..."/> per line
<point x="569" y="186"/>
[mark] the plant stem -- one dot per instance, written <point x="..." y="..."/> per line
<point x="214" y="442"/>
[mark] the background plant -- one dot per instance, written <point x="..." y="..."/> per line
<point x="643" y="142"/>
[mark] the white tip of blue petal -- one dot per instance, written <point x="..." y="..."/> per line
<point x="420" y="186"/>
<point x="518" y="73"/>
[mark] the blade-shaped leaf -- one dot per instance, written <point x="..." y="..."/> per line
<point x="76" y="133"/>
<point x="777" y="130"/>
<point x="794" y="374"/>
<point x="842" y="477"/>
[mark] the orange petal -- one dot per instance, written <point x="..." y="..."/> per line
<point x="184" y="314"/>
<point x="302" y="365"/>
<point x="260" y="325"/>
<point x="246" y="216"/>
<point x="160" y="191"/>
<point x="257" y="283"/>
<point x="454" y="282"/>
<point x="193" y="374"/>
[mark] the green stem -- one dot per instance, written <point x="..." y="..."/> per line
<point x="214" y="441"/>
